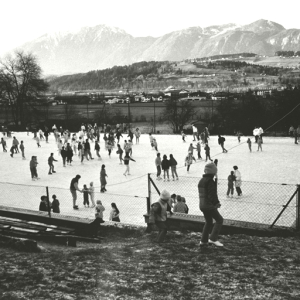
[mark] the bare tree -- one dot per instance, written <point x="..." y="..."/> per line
<point x="20" y="82"/>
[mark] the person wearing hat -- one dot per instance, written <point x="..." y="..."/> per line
<point x="158" y="214"/>
<point x="209" y="204"/>
<point x="73" y="188"/>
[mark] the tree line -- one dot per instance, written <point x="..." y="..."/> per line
<point x="288" y="53"/>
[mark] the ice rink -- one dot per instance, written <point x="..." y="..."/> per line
<point x="278" y="163"/>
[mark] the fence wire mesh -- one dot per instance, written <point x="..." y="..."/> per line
<point x="260" y="203"/>
<point x="132" y="208"/>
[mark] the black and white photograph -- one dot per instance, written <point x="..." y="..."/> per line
<point x="149" y="150"/>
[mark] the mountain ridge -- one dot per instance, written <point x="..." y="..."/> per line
<point x="102" y="46"/>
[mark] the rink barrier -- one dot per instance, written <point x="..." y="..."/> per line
<point x="262" y="206"/>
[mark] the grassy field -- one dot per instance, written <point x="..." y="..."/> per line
<point x="130" y="265"/>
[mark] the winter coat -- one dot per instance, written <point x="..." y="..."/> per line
<point x="172" y="162"/>
<point x="165" y="164"/>
<point x="208" y="196"/>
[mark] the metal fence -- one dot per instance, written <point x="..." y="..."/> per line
<point x="20" y="196"/>
<point x="260" y="204"/>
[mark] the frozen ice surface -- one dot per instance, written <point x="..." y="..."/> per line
<point x="277" y="163"/>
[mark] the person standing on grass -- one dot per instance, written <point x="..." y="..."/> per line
<point x="238" y="181"/>
<point x="126" y="160"/>
<point x="165" y="165"/>
<point x="50" y="163"/>
<point x="207" y="152"/>
<point x="189" y="160"/>
<point x="249" y="144"/>
<point x="103" y="176"/>
<point x="221" y="141"/>
<point x="158" y="166"/>
<point x="231" y="180"/>
<point x="259" y="144"/>
<point x="158" y="215"/>
<point x="97" y="149"/>
<point x="74" y="188"/>
<point x="22" y="148"/>
<point x="55" y="205"/>
<point x="114" y="213"/>
<point x="3" y="143"/>
<point x="209" y="204"/>
<point x="173" y="164"/>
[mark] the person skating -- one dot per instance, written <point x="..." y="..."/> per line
<point x="33" y="168"/>
<point x="12" y="151"/>
<point x="189" y="160"/>
<point x="97" y="149"/>
<point x="87" y="149"/>
<point x="198" y="146"/>
<point x="173" y="165"/>
<point x="103" y="181"/>
<point x="191" y="148"/>
<point x="22" y="148"/>
<point x="3" y="143"/>
<point x="238" y="181"/>
<point x="151" y="140"/>
<point x="221" y="141"/>
<point x="158" y="166"/>
<point x="74" y="188"/>
<point x="85" y="192"/>
<point x="126" y="160"/>
<point x="231" y="179"/>
<point x="259" y="143"/>
<point x="137" y="134"/>
<point x="209" y="204"/>
<point x="37" y="139"/>
<point x="183" y="136"/>
<point x="46" y="134"/>
<point x="155" y="144"/>
<point x="69" y="153"/>
<point x="207" y="152"/>
<point x="195" y="133"/>
<point x="249" y="144"/>
<point x="120" y="152"/>
<point x="118" y="135"/>
<point x="109" y="148"/>
<point x="165" y="165"/>
<point x="50" y="163"/>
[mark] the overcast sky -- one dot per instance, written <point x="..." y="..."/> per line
<point x="25" y="20"/>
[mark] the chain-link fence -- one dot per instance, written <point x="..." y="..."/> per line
<point x="260" y="203"/>
<point x="20" y="196"/>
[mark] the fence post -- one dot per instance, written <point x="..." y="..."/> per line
<point x="48" y="202"/>
<point x="298" y="208"/>
<point x="148" y="205"/>
<point x="149" y="194"/>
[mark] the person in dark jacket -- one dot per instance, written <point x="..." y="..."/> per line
<point x="55" y="205"/>
<point x="69" y="153"/>
<point x="173" y="164"/>
<point x="209" y="204"/>
<point x="221" y="141"/>
<point x="165" y="165"/>
<point x="51" y="159"/>
<point x="63" y="154"/>
<point x="43" y="204"/>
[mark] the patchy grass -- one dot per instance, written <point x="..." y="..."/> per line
<point x="133" y="266"/>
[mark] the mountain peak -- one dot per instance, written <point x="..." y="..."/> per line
<point x="263" y="25"/>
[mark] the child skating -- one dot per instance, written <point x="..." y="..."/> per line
<point x="85" y="192"/>
<point x="189" y="160"/>
<point x="22" y="148"/>
<point x="126" y="160"/>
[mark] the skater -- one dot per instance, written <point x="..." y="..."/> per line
<point x="109" y="148"/>
<point x="165" y="165"/>
<point x="158" y="166"/>
<point x="221" y="141"/>
<point x="151" y="140"/>
<point x="97" y="149"/>
<point x="85" y="192"/>
<point x="231" y="179"/>
<point x="155" y="144"/>
<point x="33" y="168"/>
<point x="63" y="154"/>
<point x="50" y="163"/>
<point x="126" y="160"/>
<point x="22" y="148"/>
<point x="238" y="181"/>
<point x="118" y="135"/>
<point x="209" y="204"/>
<point x="74" y="144"/>
<point x="120" y="152"/>
<point x="198" y="147"/>
<point x="202" y="137"/>
<point x="92" y="193"/>
<point x="46" y="134"/>
<point x="239" y="136"/>
<point x="38" y="141"/>
<point x="79" y="148"/>
<point x="103" y="176"/>
<point x="249" y="144"/>
<point x="55" y="205"/>
<point x="114" y="213"/>
<point x="259" y="143"/>
<point x="173" y="164"/>
<point x="206" y="135"/>
<point x="189" y="160"/>
<point x="15" y="144"/>
<point x="183" y="136"/>
<point x="69" y="153"/>
<point x="87" y="149"/>
<point x="3" y="143"/>
<point x="74" y="188"/>
<point x="207" y="152"/>
<point x="195" y="133"/>
<point x="137" y="135"/>
<point x="12" y="151"/>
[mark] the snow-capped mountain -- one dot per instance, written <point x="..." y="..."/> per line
<point x="102" y="46"/>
